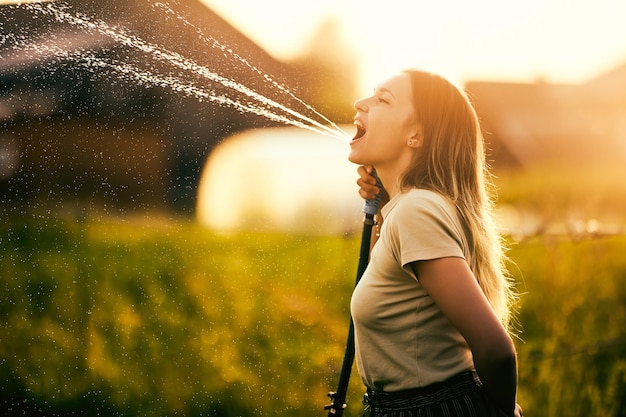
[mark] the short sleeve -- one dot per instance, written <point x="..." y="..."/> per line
<point x="424" y="226"/>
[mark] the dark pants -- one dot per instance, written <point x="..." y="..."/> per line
<point x="460" y="396"/>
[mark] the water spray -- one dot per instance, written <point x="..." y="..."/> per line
<point x="257" y="104"/>
<point x="216" y="44"/>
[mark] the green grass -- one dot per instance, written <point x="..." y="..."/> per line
<point x="572" y="361"/>
<point x="169" y="319"/>
<point x="136" y="318"/>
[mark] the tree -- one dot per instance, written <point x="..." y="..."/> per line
<point x="328" y="73"/>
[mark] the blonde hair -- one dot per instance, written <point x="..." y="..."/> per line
<point x="451" y="161"/>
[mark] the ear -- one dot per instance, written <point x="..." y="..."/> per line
<point x="417" y="137"/>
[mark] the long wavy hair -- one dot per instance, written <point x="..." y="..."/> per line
<point x="451" y="161"/>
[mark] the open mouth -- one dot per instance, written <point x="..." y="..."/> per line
<point x="360" y="130"/>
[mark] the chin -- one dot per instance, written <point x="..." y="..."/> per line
<point x="354" y="158"/>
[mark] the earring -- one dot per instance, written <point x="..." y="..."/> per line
<point x="410" y="142"/>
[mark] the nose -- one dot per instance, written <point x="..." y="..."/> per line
<point x="361" y="105"/>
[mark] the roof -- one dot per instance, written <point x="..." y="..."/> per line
<point x="540" y="122"/>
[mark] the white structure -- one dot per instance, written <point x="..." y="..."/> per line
<point x="280" y="180"/>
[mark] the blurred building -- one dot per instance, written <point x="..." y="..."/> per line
<point x="84" y="120"/>
<point x="528" y="124"/>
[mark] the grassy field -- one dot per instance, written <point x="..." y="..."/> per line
<point x="127" y="317"/>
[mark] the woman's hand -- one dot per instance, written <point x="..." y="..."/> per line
<point x="518" y="411"/>
<point x="367" y="184"/>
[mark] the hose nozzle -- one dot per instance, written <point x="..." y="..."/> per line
<point x="371" y="205"/>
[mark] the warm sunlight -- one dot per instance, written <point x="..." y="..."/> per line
<point x="559" y="41"/>
<point x="256" y="181"/>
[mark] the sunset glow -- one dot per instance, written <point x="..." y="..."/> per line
<point x="557" y="40"/>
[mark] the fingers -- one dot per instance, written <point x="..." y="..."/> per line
<point x="365" y="174"/>
<point x="367" y="182"/>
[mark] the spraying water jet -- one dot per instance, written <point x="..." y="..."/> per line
<point x="177" y="69"/>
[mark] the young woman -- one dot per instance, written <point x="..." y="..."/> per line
<point x="431" y="311"/>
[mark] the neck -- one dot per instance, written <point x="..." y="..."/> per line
<point x="390" y="180"/>
<point x="390" y="175"/>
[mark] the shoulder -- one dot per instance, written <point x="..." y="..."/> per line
<point x="427" y="197"/>
<point x="424" y="212"/>
<point x="423" y="225"/>
<point x="420" y="202"/>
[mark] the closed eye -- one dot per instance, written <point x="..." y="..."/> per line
<point x="383" y="95"/>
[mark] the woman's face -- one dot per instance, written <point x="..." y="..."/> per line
<point x="385" y="124"/>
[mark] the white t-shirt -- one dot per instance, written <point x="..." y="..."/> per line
<point x="402" y="338"/>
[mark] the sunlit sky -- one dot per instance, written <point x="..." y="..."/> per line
<point x="554" y="40"/>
